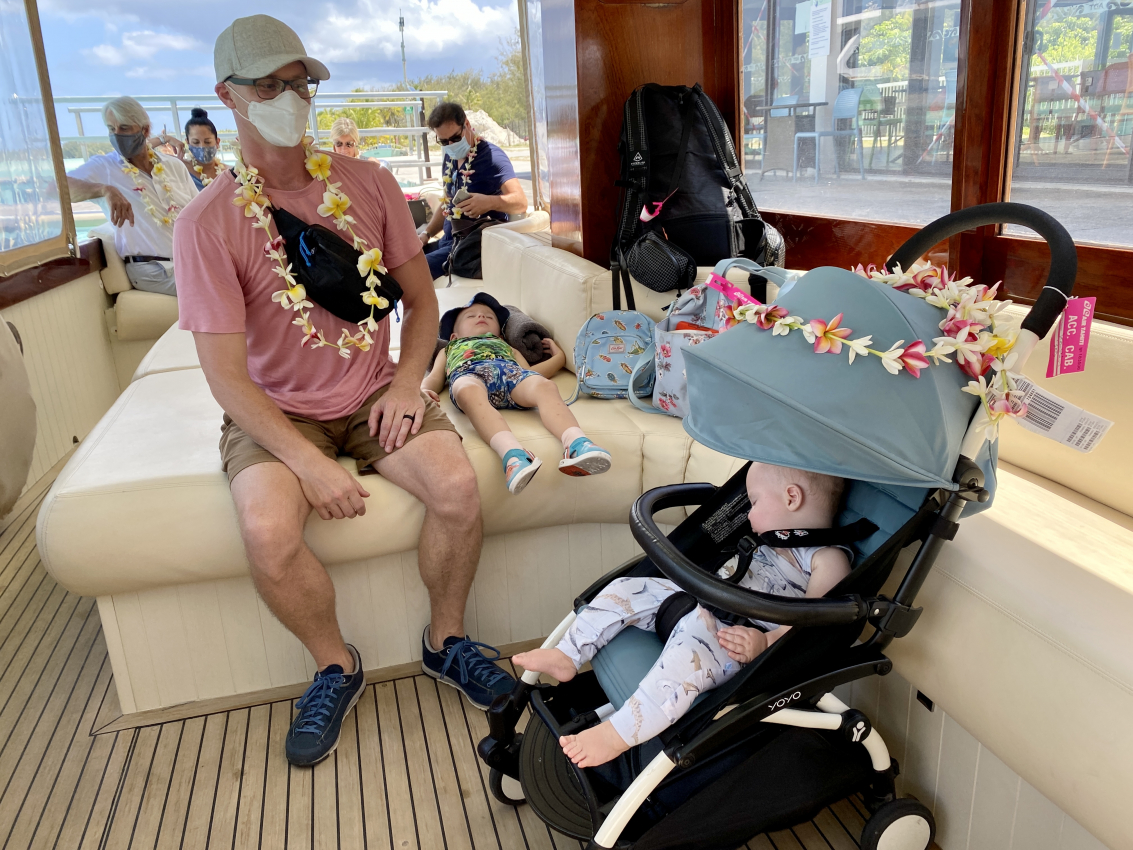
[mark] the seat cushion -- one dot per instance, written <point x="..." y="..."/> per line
<point x="137" y="492"/>
<point x="623" y="662"/>
<point x="144" y="315"/>
<point x="173" y="351"/>
<point x="1028" y="616"/>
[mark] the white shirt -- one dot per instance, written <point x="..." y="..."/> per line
<point x="146" y="237"/>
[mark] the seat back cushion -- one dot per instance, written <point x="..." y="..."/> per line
<point x="1102" y="473"/>
<point x="114" y="278"/>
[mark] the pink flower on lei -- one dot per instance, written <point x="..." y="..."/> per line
<point x="766" y="316"/>
<point x="828" y="336"/>
<point x="274" y="245"/>
<point x="975" y="365"/>
<point x="914" y="358"/>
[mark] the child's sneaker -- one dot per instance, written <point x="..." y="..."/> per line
<point x="584" y="458"/>
<point x="519" y="468"/>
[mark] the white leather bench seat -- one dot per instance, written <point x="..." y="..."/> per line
<point x="141" y="488"/>
<point x="1024" y="641"/>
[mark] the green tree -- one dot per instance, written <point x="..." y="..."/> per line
<point x="368" y="116"/>
<point x="886" y="46"/>
<point x="505" y="99"/>
<point x="502" y="94"/>
<point x="1068" y="39"/>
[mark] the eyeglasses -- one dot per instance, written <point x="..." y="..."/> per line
<point x="347" y="145"/>
<point x="272" y="87"/>
<point x="450" y="141"/>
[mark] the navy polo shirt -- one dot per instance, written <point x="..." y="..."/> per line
<point x="491" y="169"/>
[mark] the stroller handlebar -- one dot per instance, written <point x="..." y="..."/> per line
<point x="1063" y="255"/>
<point x="716" y="592"/>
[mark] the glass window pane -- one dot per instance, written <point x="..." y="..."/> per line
<point x="876" y="79"/>
<point x="29" y="199"/>
<point x="1075" y="118"/>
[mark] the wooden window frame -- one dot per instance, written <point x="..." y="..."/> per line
<point x="990" y="59"/>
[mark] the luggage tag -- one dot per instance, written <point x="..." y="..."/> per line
<point x="1071" y="337"/>
<point x="1059" y="420"/>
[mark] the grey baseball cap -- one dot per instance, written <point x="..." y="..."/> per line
<point x="255" y="46"/>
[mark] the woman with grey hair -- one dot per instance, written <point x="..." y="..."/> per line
<point x="346" y="139"/>
<point x="144" y="189"/>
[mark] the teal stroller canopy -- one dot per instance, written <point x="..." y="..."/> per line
<point x="771" y="398"/>
<point x="759" y="396"/>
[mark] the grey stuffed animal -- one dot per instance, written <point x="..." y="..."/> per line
<point x="526" y="336"/>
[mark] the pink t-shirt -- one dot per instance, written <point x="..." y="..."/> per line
<point x="225" y="284"/>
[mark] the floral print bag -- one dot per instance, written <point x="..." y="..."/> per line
<point x="698" y="315"/>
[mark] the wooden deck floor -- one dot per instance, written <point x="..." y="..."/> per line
<point x="405" y="774"/>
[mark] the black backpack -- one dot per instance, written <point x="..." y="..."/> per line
<point x="685" y="202"/>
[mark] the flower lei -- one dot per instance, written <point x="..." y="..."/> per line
<point x="451" y="209"/>
<point x="171" y="212"/>
<point x="199" y="170"/>
<point x="249" y="195"/>
<point x="970" y="333"/>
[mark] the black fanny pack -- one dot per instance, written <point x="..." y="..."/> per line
<point x="464" y="259"/>
<point x="327" y="267"/>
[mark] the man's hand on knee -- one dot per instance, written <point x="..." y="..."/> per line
<point x="332" y="491"/>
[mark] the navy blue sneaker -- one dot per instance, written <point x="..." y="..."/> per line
<point x="322" y="708"/>
<point x="464" y="665"/>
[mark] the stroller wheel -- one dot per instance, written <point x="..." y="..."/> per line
<point x="505" y="789"/>
<point x="905" y="824"/>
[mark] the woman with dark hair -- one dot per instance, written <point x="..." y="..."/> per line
<point x="203" y="147"/>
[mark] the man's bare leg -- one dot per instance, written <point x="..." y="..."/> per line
<point x="272" y="510"/>
<point x="434" y="468"/>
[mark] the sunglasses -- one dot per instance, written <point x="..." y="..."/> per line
<point x="450" y="141"/>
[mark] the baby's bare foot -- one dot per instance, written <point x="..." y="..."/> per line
<point x="554" y="662"/>
<point x="592" y="747"/>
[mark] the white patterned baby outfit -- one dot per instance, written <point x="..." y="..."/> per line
<point x="693" y="660"/>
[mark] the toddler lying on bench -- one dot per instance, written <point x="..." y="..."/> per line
<point x="702" y="652"/>
<point x="486" y="375"/>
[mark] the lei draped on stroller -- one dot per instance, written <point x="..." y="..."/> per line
<point x="773" y="746"/>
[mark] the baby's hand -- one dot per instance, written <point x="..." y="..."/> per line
<point x="742" y="643"/>
<point x="549" y="346"/>
<point x="431" y="394"/>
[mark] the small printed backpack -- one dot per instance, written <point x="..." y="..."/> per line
<point x="607" y="350"/>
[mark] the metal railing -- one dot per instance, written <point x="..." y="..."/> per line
<point x="415" y="133"/>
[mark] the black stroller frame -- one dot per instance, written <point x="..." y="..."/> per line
<point x="787" y="687"/>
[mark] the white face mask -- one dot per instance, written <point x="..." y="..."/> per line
<point x="282" y="121"/>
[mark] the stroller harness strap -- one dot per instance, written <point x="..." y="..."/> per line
<point x="680" y="604"/>
<point x="797" y="538"/>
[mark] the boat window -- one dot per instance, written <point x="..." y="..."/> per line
<point x="865" y="91"/>
<point x="34" y="225"/>
<point x="1074" y="127"/>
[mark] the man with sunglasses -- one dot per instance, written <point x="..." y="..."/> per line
<point x="291" y="409"/>
<point x="491" y="190"/>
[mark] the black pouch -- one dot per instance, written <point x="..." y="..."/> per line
<point x="327" y="267"/>
<point x="660" y="264"/>
<point x="464" y="260"/>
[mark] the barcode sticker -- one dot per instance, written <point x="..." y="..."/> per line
<point x="1061" y="421"/>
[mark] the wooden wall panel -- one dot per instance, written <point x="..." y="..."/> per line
<point x="614" y="46"/>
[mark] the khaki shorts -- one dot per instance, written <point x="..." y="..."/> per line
<point x="347" y="435"/>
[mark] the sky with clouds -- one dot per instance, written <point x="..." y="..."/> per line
<point x="133" y="47"/>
